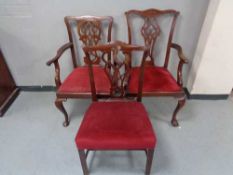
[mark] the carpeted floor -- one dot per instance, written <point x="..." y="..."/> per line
<point x="34" y="142"/>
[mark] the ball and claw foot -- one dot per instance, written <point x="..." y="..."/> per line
<point x="180" y="104"/>
<point x="66" y="123"/>
<point x="175" y="123"/>
<point x="61" y="108"/>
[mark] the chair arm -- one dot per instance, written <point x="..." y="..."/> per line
<point x="183" y="60"/>
<point x="180" y="52"/>
<point x="60" y="51"/>
<point x="54" y="60"/>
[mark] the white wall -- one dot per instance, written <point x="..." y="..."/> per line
<point x="212" y="71"/>
<point x="32" y="30"/>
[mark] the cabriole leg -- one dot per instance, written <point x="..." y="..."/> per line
<point x="181" y="103"/>
<point x="59" y="105"/>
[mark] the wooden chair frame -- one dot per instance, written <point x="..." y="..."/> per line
<point x="94" y="20"/>
<point x="127" y="49"/>
<point x="150" y="13"/>
<point x="84" y="153"/>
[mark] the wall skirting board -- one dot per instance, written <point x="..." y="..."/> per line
<point x="205" y="96"/>
<point x="189" y="96"/>
<point x="38" y="88"/>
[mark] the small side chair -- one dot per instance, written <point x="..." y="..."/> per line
<point x="115" y="124"/>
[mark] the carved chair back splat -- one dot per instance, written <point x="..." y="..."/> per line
<point x="90" y="30"/>
<point x="117" y="68"/>
<point x="151" y="29"/>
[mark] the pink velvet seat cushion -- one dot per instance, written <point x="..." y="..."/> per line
<point x="78" y="81"/>
<point x="156" y="79"/>
<point x="117" y="126"/>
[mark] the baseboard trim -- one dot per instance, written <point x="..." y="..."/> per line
<point x="37" y="88"/>
<point x="205" y="97"/>
<point x="189" y="96"/>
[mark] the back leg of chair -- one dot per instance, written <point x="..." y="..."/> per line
<point x="181" y="103"/>
<point x="150" y="155"/>
<point x="59" y="105"/>
<point x="83" y="161"/>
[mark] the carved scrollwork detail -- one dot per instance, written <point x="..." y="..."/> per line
<point x="90" y="34"/>
<point x="150" y="32"/>
<point x="117" y="69"/>
<point x="115" y="58"/>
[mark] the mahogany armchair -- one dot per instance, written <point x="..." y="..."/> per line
<point x="82" y="31"/>
<point x="115" y="124"/>
<point x="148" y="27"/>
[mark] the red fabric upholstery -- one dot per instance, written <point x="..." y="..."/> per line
<point x="156" y="79"/>
<point x="78" y="81"/>
<point x="117" y="126"/>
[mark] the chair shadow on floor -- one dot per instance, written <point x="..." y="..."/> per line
<point x="77" y="107"/>
<point x="159" y="110"/>
<point x="117" y="161"/>
<point x="128" y="161"/>
<point x="162" y="154"/>
<point x="162" y="108"/>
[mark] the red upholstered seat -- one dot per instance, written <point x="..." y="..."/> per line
<point x="79" y="82"/>
<point x="116" y="126"/>
<point x="156" y="79"/>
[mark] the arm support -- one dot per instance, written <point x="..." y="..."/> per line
<point x="60" y="51"/>
<point x="183" y="60"/>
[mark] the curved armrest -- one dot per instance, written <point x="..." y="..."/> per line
<point x="60" y="51"/>
<point x="180" y="52"/>
<point x="183" y="60"/>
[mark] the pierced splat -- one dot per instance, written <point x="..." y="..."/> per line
<point x="151" y="29"/>
<point x="118" y="67"/>
<point x="120" y="71"/>
<point x="150" y="32"/>
<point x="90" y="34"/>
